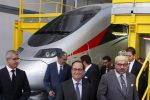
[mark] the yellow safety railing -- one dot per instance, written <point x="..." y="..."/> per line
<point x="40" y="11"/>
<point x="34" y="14"/>
<point x="147" y="91"/>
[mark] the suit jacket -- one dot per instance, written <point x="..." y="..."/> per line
<point x="103" y="70"/>
<point x="52" y="79"/>
<point x="136" y="68"/>
<point x="93" y="76"/>
<point x="109" y="88"/>
<point x="67" y="91"/>
<point x="21" y="90"/>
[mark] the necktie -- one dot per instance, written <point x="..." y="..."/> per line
<point x="61" y="70"/>
<point x="60" y="73"/>
<point x="13" y="77"/>
<point x="123" y="84"/>
<point x="78" y="91"/>
<point x="128" y="67"/>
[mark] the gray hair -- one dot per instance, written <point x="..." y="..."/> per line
<point x="10" y="52"/>
<point x="122" y="53"/>
<point x="60" y="54"/>
<point x="121" y="58"/>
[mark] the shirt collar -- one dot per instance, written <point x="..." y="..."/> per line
<point x="86" y="69"/>
<point x="9" y="69"/>
<point x="59" y="65"/>
<point x="118" y="74"/>
<point x="74" y="81"/>
<point x="132" y="62"/>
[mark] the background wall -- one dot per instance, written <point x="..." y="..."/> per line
<point x="6" y="33"/>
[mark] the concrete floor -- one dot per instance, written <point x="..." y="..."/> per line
<point x="41" y="96"/>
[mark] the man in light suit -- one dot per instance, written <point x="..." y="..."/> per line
<point x="14" y="84"/>
<point x="92" y="73"/>
<point x="56" y="73"/>
<point x="75" y="88"/>
<point x="118" y="84"/>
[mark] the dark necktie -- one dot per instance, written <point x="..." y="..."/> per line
<point x="78" y="91"/>
<point x="129" y="66"/>
<point x="123" y="84"/>
<point x="13" y="77"/>
<point x="60" y="72"/>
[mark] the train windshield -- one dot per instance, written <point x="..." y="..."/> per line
<point x="62" y="26"/>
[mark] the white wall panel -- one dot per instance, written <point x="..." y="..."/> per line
<point x="6" y="34"/>
<point x="13" y="3"/>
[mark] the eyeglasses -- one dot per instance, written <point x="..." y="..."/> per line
<point x="15" y="58"/>
<point x="77" y="69"/>
<point x="119" y="64"/>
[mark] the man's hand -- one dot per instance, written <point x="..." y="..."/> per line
<point x="51" y="93"/>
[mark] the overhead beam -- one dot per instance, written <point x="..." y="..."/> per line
<point x="14" y="10"/>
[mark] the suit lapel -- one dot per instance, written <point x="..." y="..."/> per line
<point x="83" y="90"/>
<point x="116" y="82"/>
<point x="128" y="83"/>
<point x="133" y="70"/>
<point x="72" y="90"/>
<point x="7" y="75"/>
<point x="55" y="70"/>
<point x="17" y="76"/>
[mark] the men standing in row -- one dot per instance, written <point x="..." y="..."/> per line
<point x="76" y="88"/>
<point x="56" y="73"/>
<point x="92" y="73"/>
<point x="14" y="84"/>
<point x="118" y="84"/>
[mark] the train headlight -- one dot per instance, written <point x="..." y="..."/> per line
<point x="48" y="53"/>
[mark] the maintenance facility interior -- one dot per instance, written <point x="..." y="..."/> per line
<point x="20" y="19"/>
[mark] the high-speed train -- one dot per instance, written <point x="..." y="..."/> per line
<point x="83" y="30"/>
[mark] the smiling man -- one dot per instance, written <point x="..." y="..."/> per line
<point x="118" y="84"/>
<point x="75" y="88"/>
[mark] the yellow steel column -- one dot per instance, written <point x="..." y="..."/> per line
<point x="133" y="38"/>
<point x="61" y="8"/>
<point x="18" y="35"/>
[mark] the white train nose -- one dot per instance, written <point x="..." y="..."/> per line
<point x="35" y="71"/>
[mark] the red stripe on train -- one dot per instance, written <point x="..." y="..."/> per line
<point x="92" y="43"/>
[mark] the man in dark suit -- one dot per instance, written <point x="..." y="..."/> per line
<point x="134" y="68"/>
<point x="14" y="84"/>
<point x="92" y="73"/>
<point x="134" y="65"/>
<point x="118" y="84"/>
<point x="75" y="88"/>
<point x="106" y="65"/>
<point x="56" y="73"/>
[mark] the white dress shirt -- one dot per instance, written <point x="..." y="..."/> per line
<point x="80" y="86"/>
<point x="58" y="67"/>
<point x="86" y="69"/>
<point x="9" y="71"/>
<point x="131" y="65"/>
<point x="118" y="77"/>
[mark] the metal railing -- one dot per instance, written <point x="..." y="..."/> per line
<point x="42" y="8"/>
<point x="147" y="91"/>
